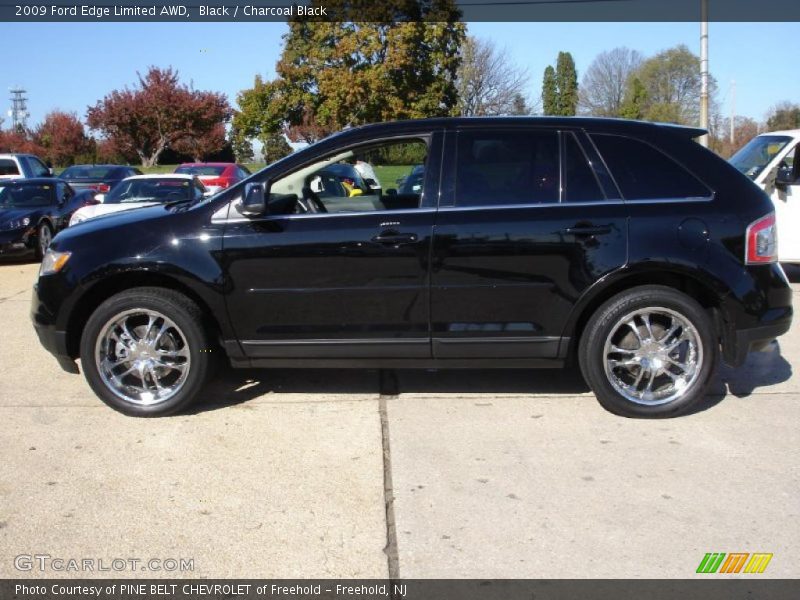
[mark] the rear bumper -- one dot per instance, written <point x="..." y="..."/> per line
<point x="756" y="338"/>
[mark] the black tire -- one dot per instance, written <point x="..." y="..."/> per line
<point x="43" y="232"/>
<point x="605" y="322"/>
<point x="184" y="314"/>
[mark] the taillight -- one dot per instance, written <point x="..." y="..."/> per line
<point x="762" y="241"/>
<point x="103" y="188"/>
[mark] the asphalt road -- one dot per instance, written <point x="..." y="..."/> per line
<point x="419" y="474"/>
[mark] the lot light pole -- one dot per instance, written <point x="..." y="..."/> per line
<point x="704" y="69"/>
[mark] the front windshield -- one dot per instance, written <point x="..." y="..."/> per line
<point x="758" y="153"/>
<point x="25" y="196"/>
<point x="150" y="190"/>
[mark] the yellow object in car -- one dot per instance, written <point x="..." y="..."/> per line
<point x="351" y="190"/>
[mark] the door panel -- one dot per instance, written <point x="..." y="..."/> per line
<point x="334" y="284"/>
<point x="322" y="286"/>
<point x="504" y="279"/>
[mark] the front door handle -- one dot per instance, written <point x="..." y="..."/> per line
<point x="586" y="230"/>
<point x="393" y="238"/>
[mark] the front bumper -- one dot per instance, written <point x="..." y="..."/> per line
<point x="52" y="339"/>
<point x="17" y="242"/>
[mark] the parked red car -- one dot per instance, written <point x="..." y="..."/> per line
<point x="215" y="176"/>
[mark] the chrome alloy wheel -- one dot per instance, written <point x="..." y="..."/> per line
<point x="653" y="356"/>
<point x="142" y="356"/>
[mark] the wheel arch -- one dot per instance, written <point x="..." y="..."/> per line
<point x="697" y="284"/>
<point x="126" y="280"/>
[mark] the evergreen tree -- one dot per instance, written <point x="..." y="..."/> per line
<point x="567" y="85"/>
<point x="550" y="92"/>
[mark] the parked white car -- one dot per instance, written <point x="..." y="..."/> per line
<point x="22" y="166"/>
<point x="772" y="161"/>
<point x="143" y="190"/>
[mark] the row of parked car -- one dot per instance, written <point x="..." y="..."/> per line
<point x="35" y="205"/>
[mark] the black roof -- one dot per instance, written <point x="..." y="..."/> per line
<point x="606" y="124"/>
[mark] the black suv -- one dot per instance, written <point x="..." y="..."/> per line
<point x="530" y="242"/>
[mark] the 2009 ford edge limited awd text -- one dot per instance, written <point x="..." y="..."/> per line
<point x="502" y="242"/>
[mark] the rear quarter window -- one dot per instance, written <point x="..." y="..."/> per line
<point x="644" y="173"/>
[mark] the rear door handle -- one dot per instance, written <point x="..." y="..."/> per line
<point x="587" y="230"/>
<point x="391" y="238"/>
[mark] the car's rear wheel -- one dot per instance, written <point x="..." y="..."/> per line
<point x="649" y="352"/>
<point x="44" y="235"/>
<point x="145" y="353"/>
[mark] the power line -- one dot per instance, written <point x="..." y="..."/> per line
<point x="19" y="108"/>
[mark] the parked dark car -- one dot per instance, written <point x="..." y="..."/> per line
<point x="624" y="245"/>
<point x="33" y="210"/>
<point x="98" y="178"/>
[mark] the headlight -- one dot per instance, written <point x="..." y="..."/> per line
<point x="17" y="224"/>
<point x="76" y="218"/>
<point x="53" y="262"/>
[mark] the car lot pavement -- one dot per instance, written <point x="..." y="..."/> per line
<point x="416" y="474"/>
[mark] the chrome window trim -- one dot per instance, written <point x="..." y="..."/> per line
<point x="616" y="202"/>
<point x="243" y="219"/>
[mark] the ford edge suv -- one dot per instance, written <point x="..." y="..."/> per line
<point x="622" y="248"/>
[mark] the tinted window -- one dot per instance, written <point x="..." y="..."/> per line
<point x="644" y="173"/>
<point x="92" y="172"/>
<point x="38" y="169"/>
<point x="8" y="167"/>
<point x="507" y="168"/>
<point x="581" y="183"/>
<point x="201" y="170"/>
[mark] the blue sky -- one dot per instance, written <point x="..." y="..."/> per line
<point x="71" y="65"/>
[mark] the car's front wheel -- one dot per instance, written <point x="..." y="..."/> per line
<point x="649" y="352"/>
<point x="144" y="352"/>
<point x="44" y="235"/>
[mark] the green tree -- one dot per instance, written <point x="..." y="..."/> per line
<point x="672" y="81"/>
<point x="550" y="92"/>
<point x="785" y="115"/>
<point x="398" y="60"/>
<point x="634" y="102"/>
<point x="275" y="147"/>
<point x="567" y="83"/>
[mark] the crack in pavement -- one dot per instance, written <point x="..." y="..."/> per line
<point x="388" y="379"/>
<point x="12" y="296"/>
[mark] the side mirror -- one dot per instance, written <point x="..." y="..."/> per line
<point x="51" y="171"/>
<point x="100" y="198"/>
<point x="254" y="202"/>
<point x="372" y="184"/>
<point x="784" y="178"/>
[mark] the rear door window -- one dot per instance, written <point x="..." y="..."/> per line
<point x="581" y="183"/>
<point x="644" y="173"/>
<point x="507" y="168"/>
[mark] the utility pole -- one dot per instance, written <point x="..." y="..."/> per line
<point x="704" y="70"/>
<point x="19" y="109"/>
<point x="733" y="110"/>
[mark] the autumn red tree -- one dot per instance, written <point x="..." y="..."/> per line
<point x="200" y="147"/>
<point x="62" y="138"/>
<point x="158" y="111"/>
<point x="19" y="141"/>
